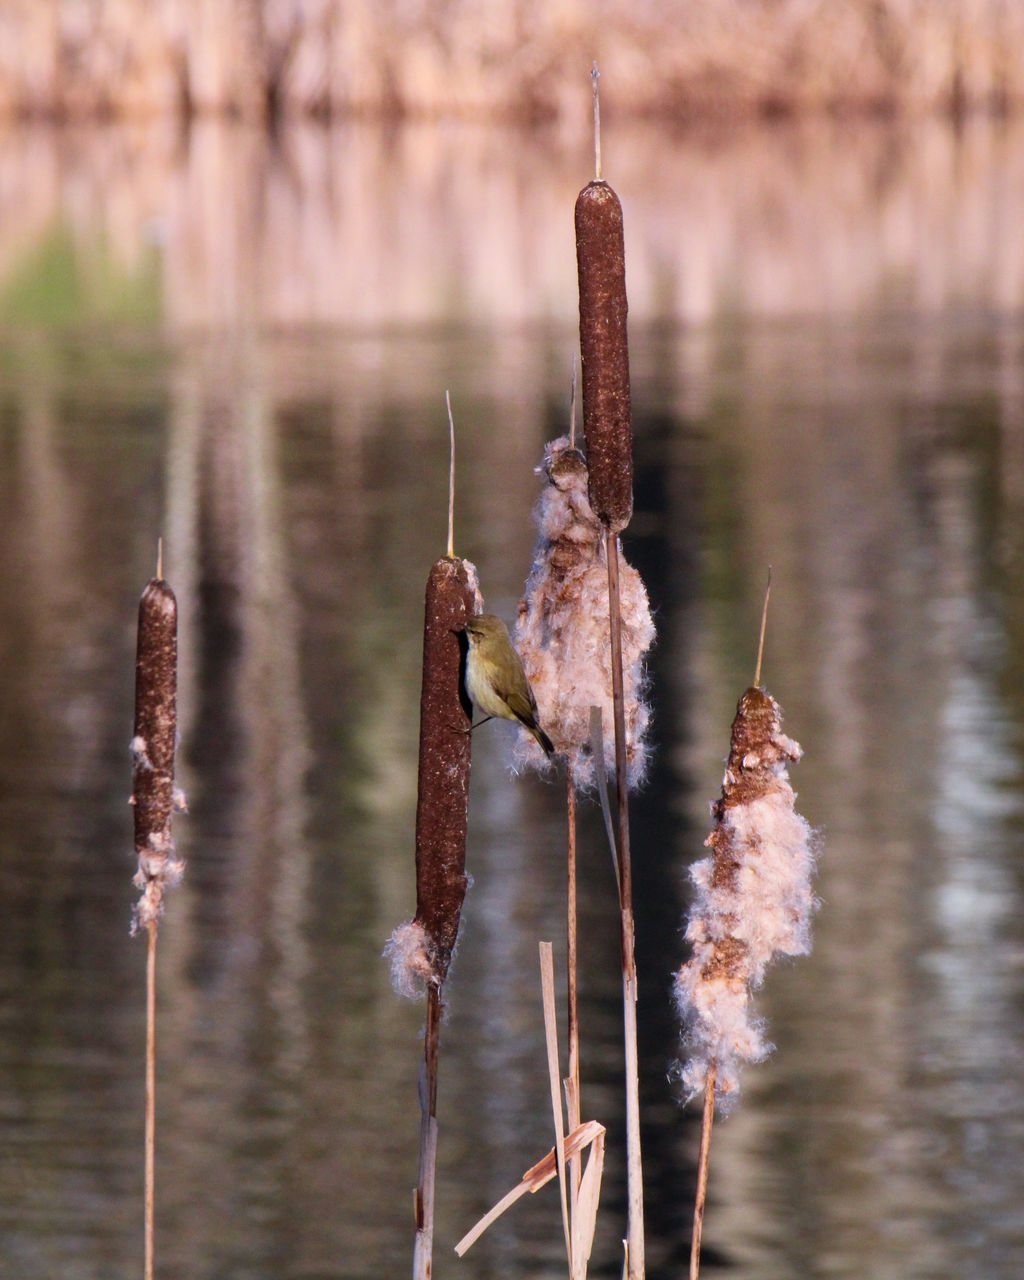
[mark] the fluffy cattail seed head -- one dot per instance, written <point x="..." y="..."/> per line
<point x="562" y="628"/>
<point x="753" y="899"/>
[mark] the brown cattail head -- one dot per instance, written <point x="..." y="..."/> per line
<point x="153" y="744"/>
<point x="421" y="950"/>
<point x="562" y="629"/>
<point x="753" y="898"/>
<point x="604" y="349"/>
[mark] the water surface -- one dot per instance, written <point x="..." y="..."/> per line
<point x="827" y="358"/>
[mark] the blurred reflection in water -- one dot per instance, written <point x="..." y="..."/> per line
<point x="456" y="223"/>
<point x="873" y="457"/>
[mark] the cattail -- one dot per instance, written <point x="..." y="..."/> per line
<point x="604" y="349"/>
<point x="583" y="628"/>
<point x="601" y="263"/>
<point x="156" y="723"/>
<point x="421" y="950"/>
<point x="154" y="798"/>
<point x="562" y="628"/>
<point x="753" y="900"/>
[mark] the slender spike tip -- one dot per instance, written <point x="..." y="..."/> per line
<point x="595" y="75"/>
<point x="572" y="407"/>
<point x="764" y="626"/>
<point x="159" y="557"/>
<point x="451" y="476"/>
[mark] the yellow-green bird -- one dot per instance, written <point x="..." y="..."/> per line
<point x="495" y="678"/>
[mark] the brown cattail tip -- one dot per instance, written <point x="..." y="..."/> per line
<point x="443" y="795"/>
<point x="758" y="749"/>
<point x="604" y="349"/>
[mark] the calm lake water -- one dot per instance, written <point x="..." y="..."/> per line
<point x="243" y="346"/>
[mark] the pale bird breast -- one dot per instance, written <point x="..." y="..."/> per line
<point x="480" y="690"/>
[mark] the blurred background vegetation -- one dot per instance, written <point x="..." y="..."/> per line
<point x="258" y="59"/>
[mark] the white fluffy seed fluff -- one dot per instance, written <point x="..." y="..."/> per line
<point x="562" y="631"/>
<point x="408" y="950"/>
<point x="159" y="870"/>
<point x="753" y="900"/>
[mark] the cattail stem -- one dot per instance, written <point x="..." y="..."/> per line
<point x="619" y="716"/>
<point x="703" y="1160"/>
<point x="573" y="1108"/>
<point x="150" y="1155"/>
<point x="634" y="1163"/>
<point x="432" y="1046"/>
<point x="423" y="1248"/>
<point x="547" y="969"/>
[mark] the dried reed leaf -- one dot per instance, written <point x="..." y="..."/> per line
<point x="537" y="1176"/>
<point x="584" y="1220"/>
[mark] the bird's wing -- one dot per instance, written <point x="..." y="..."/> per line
<point x="524" y="709"/>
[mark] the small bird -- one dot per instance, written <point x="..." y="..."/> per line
<point x="495" y="678"/>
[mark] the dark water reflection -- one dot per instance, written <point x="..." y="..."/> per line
<point x="874" y="459"/>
